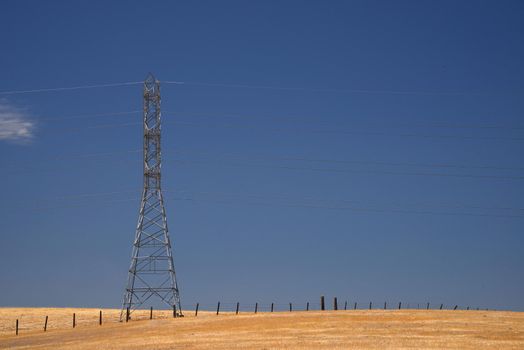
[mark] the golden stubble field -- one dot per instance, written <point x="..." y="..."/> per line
<point x="360" y="329"/>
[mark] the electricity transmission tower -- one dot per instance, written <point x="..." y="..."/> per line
<point x="152" y="271"/>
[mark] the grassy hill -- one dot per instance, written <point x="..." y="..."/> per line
<point x="360" y="329"/>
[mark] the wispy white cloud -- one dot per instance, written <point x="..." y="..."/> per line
<point x="15" y="124"/>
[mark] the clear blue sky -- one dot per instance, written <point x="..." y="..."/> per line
<point x="391" y="169"/>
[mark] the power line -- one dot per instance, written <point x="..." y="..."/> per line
<point x="255" y="164"/>
<point x="68" y="88"/>
<point x="260" y="87"/>
<point x="344" y="132"/>
<point x="287" y="197"/>
<point x="237" y="164"/>
<point x="73" y="117"/>
<point x="360" y="209"/>
<point x="296" y="130"/>
<point x="344" y="161"/>
<point x="279" y="119"/>
<point x="233" y="125"/>
<point x="97" y="195"/>
<point x="280" y="158"/>
<point x="332" y="90"/>
<point x="304" y="205"/>
<point x="388" y="124"/>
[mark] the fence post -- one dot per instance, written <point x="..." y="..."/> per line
<point x="271" y="307"/>
<point x="441" y="306"/>
<point x="218" y="307"/>
<point x="370" y="305"/>
<point x="456" y="306"/>
<point x="307" y="306"/>
<point x="355" y="307"/>
<point x="196" y="309"/>
<point x="238" y="305"/>
<point x="335" y="304"/>
<point x="290" y="307"/>
<point x="174" y="311"/>
<point x="427" y="307"/>
<point x="467" y="308"/>
<point x="399" y="305"/>
<point x="385" y="306"/>
<point x="127" y="314"/>
<point x="17" y="326"/>
<point x="256" y="307"/>
<point x="322" y="305"/>
<point x="345" y="305"/>
<point x="45" y="323"/>
<point x="151" y="313"/>
<point x="74" y="320"/>
<point x="100" y="318"/>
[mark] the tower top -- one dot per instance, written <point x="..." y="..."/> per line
<point x="150" y="83"/>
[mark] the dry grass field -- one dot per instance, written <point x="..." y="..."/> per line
<point x="360" y="329"/>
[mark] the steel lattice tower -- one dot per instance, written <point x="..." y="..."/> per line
<point x="152" y="271"/>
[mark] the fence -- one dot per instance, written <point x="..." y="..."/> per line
<point x="49" y="319"/>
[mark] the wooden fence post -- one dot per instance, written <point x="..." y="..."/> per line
<point x="427" y="307"/>
<point x="335" y="304"/>
<point x="441" y="306"/>
<point x="127" y="314"/>
<point x="290" y="307"/>
<point x="456" y="306"/>
<point x="355" y="307"/>
<point x="100" y="318"/>
<point x="256" y="307"/>
<point x="151" y="313"/>
<point x="196" y="309"/>
<point x="74" y="320"/>
<point x="45" y="323"/>
<point x="17" y="326"/>
<point x="370" y="305"/>
<point x="345" y="305"/>
<point x="218" y="307"/>
<point x="385" y="306"/>
<point x="238" y="305"/>
<point x="271" y="307"/>
<point x="399" y="305"/>
<point x="322" y="305"/>
<point x="174" y="311"/>
<point x="307" y="306"/>
<point x="467" y="308"/>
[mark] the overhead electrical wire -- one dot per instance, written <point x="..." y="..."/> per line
<point x="138" y="191"/>
<point x="287" y="197"/>
<point x="343" y="132"/>
<point x="295" y="130"/>
<point x="237" y="164"/>
<point x="345" y="161"/>
<point x="219" y="160"/>
<point x="330" y="90"/>
<point x="219" y="156"/>
<point x="361" y="209"/>
<point x="75" y="117"/>
<point x="370" y="122"/>
<point x="293" y="205"/>
<point x="280" y="119"/>
<point x="260" y="87"/>
<point x="69" y="88"/>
